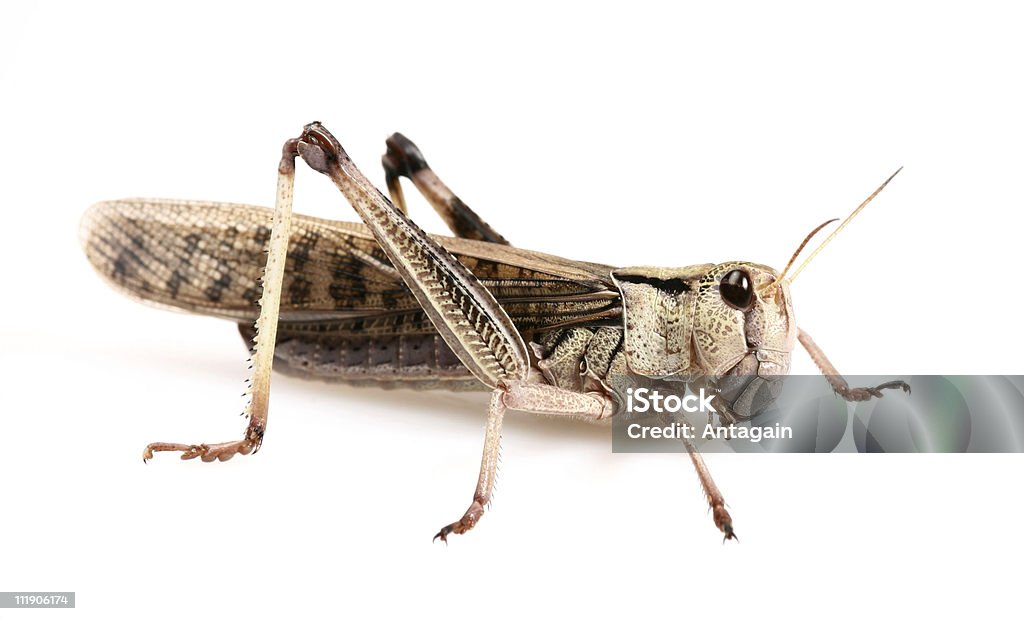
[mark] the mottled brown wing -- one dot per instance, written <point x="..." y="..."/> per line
<point x="207" y="258"/>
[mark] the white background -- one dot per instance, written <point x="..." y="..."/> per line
<point x="626" y="134"/>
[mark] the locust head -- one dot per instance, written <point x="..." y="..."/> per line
<point x="743" y="321"/>
<point x="733" y="318"/>
<point x="706" y="320"/>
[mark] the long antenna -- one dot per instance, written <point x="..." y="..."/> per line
<point x="800" y="248"/>
<point x="840" y="228"/>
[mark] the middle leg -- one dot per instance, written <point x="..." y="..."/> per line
<point x="527" y="397"/>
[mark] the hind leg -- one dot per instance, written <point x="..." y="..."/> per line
<point x="403" y="159"/>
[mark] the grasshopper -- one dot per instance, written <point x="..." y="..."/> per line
<point x="384" y="303"/>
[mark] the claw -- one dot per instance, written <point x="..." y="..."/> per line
<point x="468" y="521"/>
<point x="724" y="522"/>
<point x="894" y="384"/>
<point x="456" y="527"/>
<point x="443" y="534"/>
<point x="877" y="390"/>
<point x="863" y="394"/>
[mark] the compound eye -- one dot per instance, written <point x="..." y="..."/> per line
<point x="737" y="290"/>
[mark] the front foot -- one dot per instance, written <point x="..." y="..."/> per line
<point x="468" y="521"/>
<point x="206" y="452"/>
<point x="864" y="394"/>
